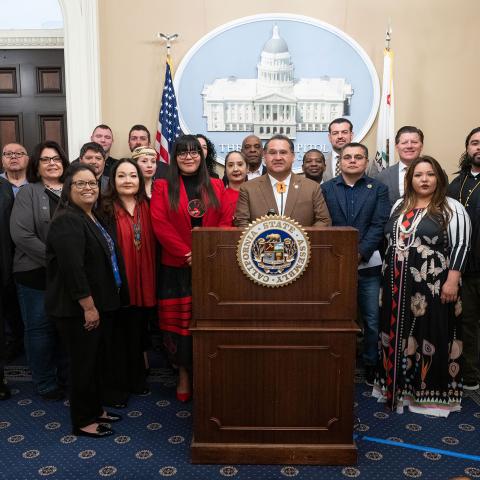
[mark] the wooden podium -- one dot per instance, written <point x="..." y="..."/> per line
<point x="274" y="367"/>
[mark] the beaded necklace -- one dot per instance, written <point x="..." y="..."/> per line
<point x="137" y="229"/>
<point x="405" y="236"/>
<point x="470" y="192"/>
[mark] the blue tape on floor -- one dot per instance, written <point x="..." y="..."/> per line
<point x="421" y="448"/>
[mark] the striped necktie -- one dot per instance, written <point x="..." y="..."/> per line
<point x="337" y="166"/>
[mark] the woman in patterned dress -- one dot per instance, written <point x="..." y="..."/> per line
<point x="187" y="198"/>
<point x="420" y="346"/>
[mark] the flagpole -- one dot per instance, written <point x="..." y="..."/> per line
<point x="168" y="127"/>
<point x="385" y="154"/>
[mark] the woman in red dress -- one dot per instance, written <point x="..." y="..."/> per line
<point x="236" y="172"/>
<point x="126" y="207"/>
<point x="187" y="198"/>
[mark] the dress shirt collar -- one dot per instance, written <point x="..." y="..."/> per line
<point x="341" y="180"/>
<point x="256" y="173"/>
<point x="402" y="166"/>
<point x="274" y="181"/>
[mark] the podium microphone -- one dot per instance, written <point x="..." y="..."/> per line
<point x="271" y="211"/>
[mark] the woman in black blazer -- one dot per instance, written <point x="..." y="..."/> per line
<point x="85" y="287"/>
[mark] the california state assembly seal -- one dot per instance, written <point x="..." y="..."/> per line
<point x="273" y="251"/>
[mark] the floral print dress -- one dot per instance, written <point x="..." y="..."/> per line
<point x="420" y="347"/>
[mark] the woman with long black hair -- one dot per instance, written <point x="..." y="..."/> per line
<point x="187" y="198"/>
<point x="125" y="208"/>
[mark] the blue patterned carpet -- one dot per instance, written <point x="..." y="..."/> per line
<point x="153" y="441"/>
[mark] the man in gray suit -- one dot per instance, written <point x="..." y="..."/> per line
<point x="409" y="145"/>
<point x="281" y="191"/>
<point x="340" y="132"/>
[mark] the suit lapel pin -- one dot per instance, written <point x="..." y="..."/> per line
<point x="369" y="185"/>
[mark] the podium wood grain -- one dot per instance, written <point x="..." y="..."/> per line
<point x="273" y="368"/>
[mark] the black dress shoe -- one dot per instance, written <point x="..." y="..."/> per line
<point x="102" y="431"/>
<point x="115" y="405"/>
<point x="142" y="391"/>
<point x="53" y="395"/>
<point x="109" y="417"/>
<point x="370" y="375"/>
<point x="5" y="393"/>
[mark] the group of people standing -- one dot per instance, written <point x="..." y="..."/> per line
<point x="85" y="268"/>
<point x="95" y="254"/>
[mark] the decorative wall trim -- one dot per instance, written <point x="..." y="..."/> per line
<point x="31" y="38"/>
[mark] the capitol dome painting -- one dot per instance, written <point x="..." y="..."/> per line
<point x="275" y="101"/>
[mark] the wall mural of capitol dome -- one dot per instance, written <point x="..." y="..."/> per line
<point x="277" y="73"/>
<point x="275" y="101"/>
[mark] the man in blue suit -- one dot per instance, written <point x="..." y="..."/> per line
<point x="356" y="200"/>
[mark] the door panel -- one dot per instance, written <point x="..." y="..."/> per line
<point x="32" y="97"/>
<point x="10" y="129"/>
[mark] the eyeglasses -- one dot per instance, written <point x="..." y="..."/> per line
<point x="357" y="158"/>
<point x="82" y="184"/>
<point x="192" y="153"/>
<point x="14" y="154"/>
<point x="55" y="159"/>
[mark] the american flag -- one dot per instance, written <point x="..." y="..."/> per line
<point x="168" y="128"/>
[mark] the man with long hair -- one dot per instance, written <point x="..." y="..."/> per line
<point x="465" y="188"/>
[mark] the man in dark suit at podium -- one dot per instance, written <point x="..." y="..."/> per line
<point x="281" y="192"/>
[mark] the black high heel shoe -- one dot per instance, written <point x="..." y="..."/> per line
<point x="109" y="417"/>
<point x="102" y="431"/>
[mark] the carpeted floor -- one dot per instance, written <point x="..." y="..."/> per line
<point x="153" y="440"/>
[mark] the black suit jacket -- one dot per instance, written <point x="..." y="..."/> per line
<point x="79" y="265"/>
<point x="6" y="245"/>
<point x="109" y="163"/>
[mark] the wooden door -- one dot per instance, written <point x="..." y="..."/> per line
<point x="32" y="97"/>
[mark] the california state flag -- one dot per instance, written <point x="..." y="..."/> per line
<point x="386" y="116"/>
